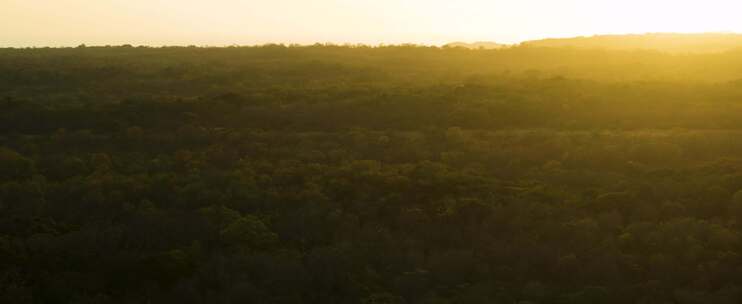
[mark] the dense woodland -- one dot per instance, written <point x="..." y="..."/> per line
<point x="375" y="175"/>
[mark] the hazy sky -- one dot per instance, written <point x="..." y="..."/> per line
<point x="225" y="22"/>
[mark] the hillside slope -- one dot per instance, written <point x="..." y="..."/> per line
<point x="666" y="42"/>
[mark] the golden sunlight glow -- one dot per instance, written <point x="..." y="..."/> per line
<point x="225" y="22"/>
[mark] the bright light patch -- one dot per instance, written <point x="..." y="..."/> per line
<point x="224" y="22"/>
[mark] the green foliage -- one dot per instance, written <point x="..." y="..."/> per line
<point x="14" y="166"/>
<point x="330" y="174"/>
<point x="248" y="232"/>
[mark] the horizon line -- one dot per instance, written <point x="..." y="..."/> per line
<point x="362" y="44"/>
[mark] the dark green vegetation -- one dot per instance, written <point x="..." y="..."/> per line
<point x="332" y="174"/>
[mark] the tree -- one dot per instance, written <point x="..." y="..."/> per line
<point x="14" y="166"/>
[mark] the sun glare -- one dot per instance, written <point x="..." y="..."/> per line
<point x="224" y="22"/>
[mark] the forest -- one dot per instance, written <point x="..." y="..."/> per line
<point x="378" y="175"/>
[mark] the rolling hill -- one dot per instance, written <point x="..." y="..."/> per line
<point x="665" y="42"/>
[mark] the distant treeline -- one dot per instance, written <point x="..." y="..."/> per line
<point x="330" y="87"/>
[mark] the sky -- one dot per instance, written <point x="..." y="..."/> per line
<point x="247" y="22"/>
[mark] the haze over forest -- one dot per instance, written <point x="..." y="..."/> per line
<point x="663" y="42"/>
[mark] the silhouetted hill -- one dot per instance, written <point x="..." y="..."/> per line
<point x="478" y="45"/>
<point x="666" y="42"/>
